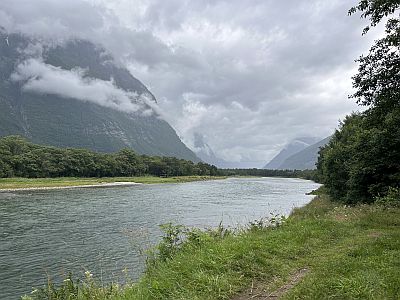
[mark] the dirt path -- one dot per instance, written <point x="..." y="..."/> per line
<point x="258" y="291"/>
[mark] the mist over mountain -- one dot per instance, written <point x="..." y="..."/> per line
<point x="203" y="150"/>
<point x="304" y="159"/>
<point x="73" y="94"/>
<point x="207" y="154"/>
<point x="300" y="154"/>
<point x="293" y="147"/>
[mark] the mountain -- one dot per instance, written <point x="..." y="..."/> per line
<point x="206" y="153"/>
<point x="293" y="147"/>
<point x="75" y="95"/>
<point x="305" y="159"/>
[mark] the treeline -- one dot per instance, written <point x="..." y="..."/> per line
<point x="305" y="174"/>
<point x="361" y="163"/>
<point x="20" y="158"/>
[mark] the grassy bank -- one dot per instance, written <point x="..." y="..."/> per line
<point x="19" y="183"/>
<point x="322" y="251"/>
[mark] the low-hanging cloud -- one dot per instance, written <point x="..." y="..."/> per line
<point x="42" y="78"/>
<point x="247" y="75"/>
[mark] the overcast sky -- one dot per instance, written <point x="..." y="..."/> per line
<point x="247" y="75"/>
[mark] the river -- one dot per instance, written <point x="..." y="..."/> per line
<point x="104" y="230"/>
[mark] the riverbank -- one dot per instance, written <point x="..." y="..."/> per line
<point x="16" y="184"/>
<point x="323" y="250"/>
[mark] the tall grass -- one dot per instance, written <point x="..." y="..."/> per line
<point x="350" y="252"/>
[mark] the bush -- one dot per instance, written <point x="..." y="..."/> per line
<point x="391" y="199"/>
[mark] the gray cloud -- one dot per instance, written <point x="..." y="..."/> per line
<point x="248" y="75"/>
<point x="38" y="77"/>
<point x="48" y="18"/>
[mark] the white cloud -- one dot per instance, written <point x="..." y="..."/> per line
<point x="38" y="77"/>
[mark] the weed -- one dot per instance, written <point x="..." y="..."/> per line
<point x="351" y="252"/>
<point x="391" y="199"/>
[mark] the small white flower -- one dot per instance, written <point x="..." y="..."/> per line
<point x="88" y="274"/>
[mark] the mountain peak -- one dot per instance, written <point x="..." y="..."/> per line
<point x="298" y="155"/>
<point x="291" y="148"/>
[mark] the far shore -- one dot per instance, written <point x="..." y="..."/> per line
<point x="100" y="185"/>
<point x="37" y="184"/>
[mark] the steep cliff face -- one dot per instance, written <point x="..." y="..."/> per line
<point x="53" y="95"/>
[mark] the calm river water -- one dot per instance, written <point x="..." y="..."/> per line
<point x="50" y="233"/>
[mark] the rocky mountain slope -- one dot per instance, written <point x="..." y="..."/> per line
<point x="293" y="147"/>
<point x="73" y="94"/>
<point x="304" y="159"/>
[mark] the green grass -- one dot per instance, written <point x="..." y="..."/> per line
<point x="18" y="183"/>
<point x="350" y="253"/>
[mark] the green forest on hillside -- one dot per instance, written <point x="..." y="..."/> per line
<point x="304" y="174"/>
<point x="20" y="158"/>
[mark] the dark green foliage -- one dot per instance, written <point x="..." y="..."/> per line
<point x="363" y="158"/>
<point x="173" y="237"/>
<point x="391" y="199"/>
<point x="375" y="10"/>
<point x="305" y="174"/>
<point x="20" y="158"/>
<point x="362" y="161"/>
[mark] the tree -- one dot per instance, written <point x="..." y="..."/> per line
<point x="362" y="161"/>
<point x="377" y="83"/>
<point x="18" y="157"/>
<point x="130" y="164"/>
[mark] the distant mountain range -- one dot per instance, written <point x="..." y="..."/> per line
<point x="300" y="154"/>
<point x="293" y="147"/>
<point x="204" y="151"/>
<point x="74" y="95"/>
<point x="207" y="154"/>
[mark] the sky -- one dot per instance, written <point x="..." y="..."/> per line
<point x="247" y="76"/>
